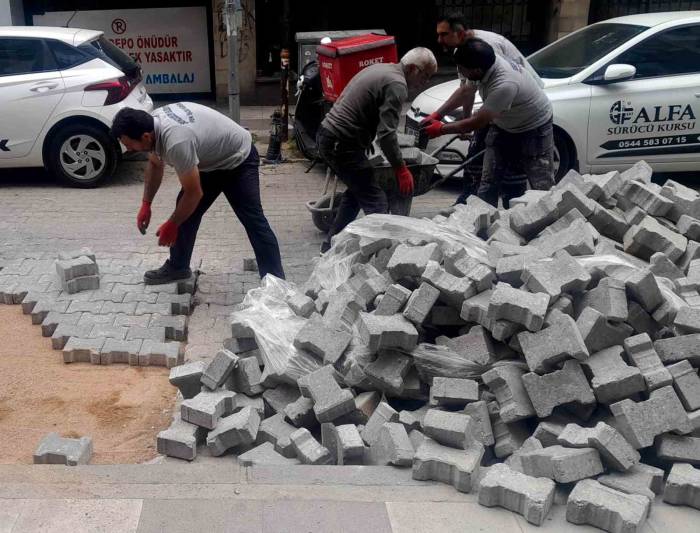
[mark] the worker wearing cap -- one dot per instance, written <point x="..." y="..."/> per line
<point x="452" y="32"/>
<point x="369" y="106"/>
<point x="211" y="155"/>
<point x="519" y="144"/>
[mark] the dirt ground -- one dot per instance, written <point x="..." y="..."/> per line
<point x="121" y="407"/>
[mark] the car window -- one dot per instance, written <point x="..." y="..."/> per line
<point x="573" y="53"/>
<point x="668" y="53"/>
<point x="67" y="56"/>
<point x="24" y="56"/>
<point x="110" y="53"/>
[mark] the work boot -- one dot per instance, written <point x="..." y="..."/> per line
<point x="325" y="246"/>
<point x="166" y="274"/>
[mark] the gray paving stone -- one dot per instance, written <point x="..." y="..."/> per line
<point x="392" y="447"/>
<point x="608" y="298"/>
<point x="449" y="429"/>
<point x="641" y="422"/>
<point x="247" y="377"/>
<point x="678" y="449"/>
<point x="641" y="479"/>
<point x="605" y="508"/>
<point x="453" y="290"/>
<point x="563" y="465"/>
<point x="518" y="306"/>
<point x="683" y="486"/>
<point x="525" y="495"/>
<point x="420" y="303"/>
<point x="611" y="378"/>
<point x="175" y="326"/>
<point x="393" y="300"/>
<point x="558" y="388"/>
<point x="556" y="275"/>
<point x="64" y="332"/>
<point x="265" y="454"/>
<point x="167" y="354"/>
<point x="615" y="451"/>
<point x="56" y="450"/>
<point x="122" y="319"/>
<point x="325" y="343"/>
<point x="119" y="351"/>
<point x="477" y="345"/>
<point x="687" y="384"/>
<point x="281" y="396"/>
<point x="410" y="261"/>
<point x="507" y="385"/>
<point x="330" y="401"/>
<point x="82" y="283"/>
<point x="187" y="378"/>
<point x="53" y="319"/>
<point x="560" y="341"/>
<point x="459" y="468"/>
<point x="382" y="414"/>
<point x="676" y="349"/>
<point x="481" y="428"/>
<point x="276" y="431"/>
<point x="219" y="369"/>
<point x="207" y="408"/>
<point x="179" y="440"/>
<point x="109" y="332"/>
<point x="383" y="332"/>
<point x="79" y="350"/>
<point x="237" y="430"/>
<point x="598" y="333"/>
<point x="388" y="371"/>
<point x="453" y="392"/>
<point x="641" y="353"/>
<point x="309" y="451"/>
<point x="143" y="308"/>
<point x="649" y="236"/>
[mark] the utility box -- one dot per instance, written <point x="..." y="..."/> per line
<point x="340" y="60"/>
<point x="308" y="40"/>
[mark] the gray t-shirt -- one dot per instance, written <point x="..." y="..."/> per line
<point x="371" y="105"/>
<point x="506" y="49"/>
<point x="508" y="90"/>
<point x="191" y="135"/>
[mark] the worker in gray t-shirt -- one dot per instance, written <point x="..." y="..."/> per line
<point x="369" y="106"/>
<point x="452" y="32"/>
<point x="211" y="154"/>
<point x="519" y="145"/>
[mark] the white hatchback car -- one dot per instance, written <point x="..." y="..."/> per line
<point x="59" y="91"/>
<point x="622" y="90"/>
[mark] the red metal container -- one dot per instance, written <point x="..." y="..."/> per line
<point x="340" y="60"/>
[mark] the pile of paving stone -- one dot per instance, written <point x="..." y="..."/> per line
<point x="553" y="345"/>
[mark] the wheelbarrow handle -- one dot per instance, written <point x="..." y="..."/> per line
<point x="443" y="146"/>
<point x="454" y="171"/>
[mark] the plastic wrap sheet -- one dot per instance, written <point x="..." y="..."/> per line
<point x="599" y="266"/>
<point x="440" y="361"/>
<point x="275" y="325"/>
<point x="334" y="268"/>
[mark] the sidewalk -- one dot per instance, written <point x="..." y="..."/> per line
<point x="221" y="496"/>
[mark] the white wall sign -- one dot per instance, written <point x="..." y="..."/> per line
<point x="171" y="44"/>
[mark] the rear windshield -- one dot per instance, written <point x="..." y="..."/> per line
<point x="106" y="50"/>
<point x="570" y="55"/>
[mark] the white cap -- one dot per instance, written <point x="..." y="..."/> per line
<point x="326" y="40"/>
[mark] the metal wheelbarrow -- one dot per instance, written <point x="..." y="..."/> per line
<point x="426" y="176"/>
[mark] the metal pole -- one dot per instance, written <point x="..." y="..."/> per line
<point x="233" y="26"/>
<point x="284" y="85"/>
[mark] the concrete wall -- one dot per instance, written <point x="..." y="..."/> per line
<point x="568" y="16"/>
<point x="11" y="13"/>
<point x="246" y="52"/>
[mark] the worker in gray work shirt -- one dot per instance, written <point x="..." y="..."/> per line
<point x="211" y="155"/>
<point x="520" y="143"/>
<point x="452" y="32"/>
<point x="370" y="105"/>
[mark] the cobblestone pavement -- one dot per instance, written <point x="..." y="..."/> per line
<point x="38" y="218"/>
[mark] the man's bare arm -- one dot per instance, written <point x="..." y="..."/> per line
<point x="154" y="177"/>
<point x="458" y="98"/>
<point x="191" y="196"/>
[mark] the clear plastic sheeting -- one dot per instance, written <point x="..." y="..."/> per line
<point x="433" y="361"/>
<point x="599" y="266"/>
<point x="274" y="324"/>
<point x="334" y="268"/>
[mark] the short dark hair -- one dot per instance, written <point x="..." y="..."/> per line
<point x="132" y="123"/>
<point x="475" y="53"/>
<point x="455" y="20"/>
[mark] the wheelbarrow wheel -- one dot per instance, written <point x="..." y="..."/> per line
<point x="321" y="215"/>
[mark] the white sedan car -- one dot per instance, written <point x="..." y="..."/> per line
<point x="59" y="91"/>
<point x="622" y="90"/>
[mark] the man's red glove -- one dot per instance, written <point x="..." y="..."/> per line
<point x="143" y="219"/>
<point x="431" y="117"/>
<point x="405" y="180"/>
<point x="433" y="129"/>
<point x="167" y="233"/>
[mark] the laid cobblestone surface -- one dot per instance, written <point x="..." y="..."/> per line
<point x="39" y="219"/>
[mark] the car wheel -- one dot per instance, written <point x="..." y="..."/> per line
<point x="564" y="157"/>
<point x="82" y="155"/>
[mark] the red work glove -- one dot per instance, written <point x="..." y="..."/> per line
<point x="433" y="129"/>
<point x="167" y="233"/>
<point x="143" y="219"/>
<point x="405" y="180"/>
<point x="430" y="118"/>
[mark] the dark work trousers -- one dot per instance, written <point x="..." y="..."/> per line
<point x="351" y="165"/>
<point x="514" y="159"/>
<point x="241" y="186"/>
<point x="472" y="172"/>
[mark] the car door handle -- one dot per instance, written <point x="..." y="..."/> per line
<point x="44" y="87"/>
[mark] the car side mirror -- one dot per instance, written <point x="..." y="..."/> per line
<point x="619" y="72"/>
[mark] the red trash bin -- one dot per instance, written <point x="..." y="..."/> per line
<point x="339" y="61"/>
